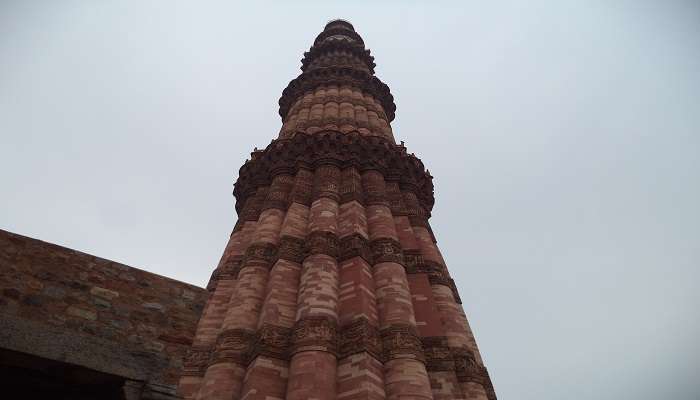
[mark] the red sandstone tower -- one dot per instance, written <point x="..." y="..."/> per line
<point x="331" y="285"/>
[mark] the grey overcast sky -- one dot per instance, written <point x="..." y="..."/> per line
<point x="563" y="137"/>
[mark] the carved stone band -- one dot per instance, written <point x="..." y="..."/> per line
<point x="401" y="341"/>
<point x="438" y="356"/>
<point x="360" y="336"/>
<point x="322" y="242"/>
<point x="469" y="370"/>
<point x="272" y="341"/>
<point x="277" y="195"/>
<point x="351" y="186"/>
<point x="234" y="346"/>
<point x="415" y="263"/>
<point x="315" y="333"/>
<point x="386" y="250"/>
<point x="251" y="208"/>
<point x="355" y="245"/>
<point x="292" y="249"/>
<point x="327" y="180"/>
<point x="260" y="254"/>
<point x="303" y="184"/>
<point x="228" y="270"/>
<point x="196" y="361"/>
<point x="345" y="150"/>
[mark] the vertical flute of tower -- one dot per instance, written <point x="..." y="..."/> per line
<point x="406" y="375"/>
<point x="360" y="368"/>
<point x="443" y="379"/>
<point x="312" y="371"/>
<point x="332" y="285"/>
<point x="342" y="108"/>
<point x="222" y="284"/>
<point x="224" y="377"/>
<point x="267" y="373"/>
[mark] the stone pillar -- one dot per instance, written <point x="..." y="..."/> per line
<point x="224" y="377"/>
<point x="312" y="373"/>
<point x="268" y="370"/>
<point x="439" y="363"/>
<point x="459" y="336"/>
<point x="360" y="370"/>
<point x="404" y="369"/>
<point x="222" y="285"/>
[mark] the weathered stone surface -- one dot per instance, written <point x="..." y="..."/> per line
<point x="81" y="313"/>
<point x="62" y="304"/>
<point x="104" y="293"/>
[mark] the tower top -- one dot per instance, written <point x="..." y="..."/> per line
<point x="339" y="22"/>
<point x="338" y="29"/>
<point x="338" y="57"/>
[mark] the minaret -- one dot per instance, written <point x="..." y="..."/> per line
<point x="331" y="285"/>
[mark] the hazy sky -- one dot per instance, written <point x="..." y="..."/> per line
<point x="563" y="136"/>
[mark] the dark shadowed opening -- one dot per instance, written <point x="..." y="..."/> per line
<point x="31" y="377"/>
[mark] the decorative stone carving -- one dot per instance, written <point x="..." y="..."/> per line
<point x="345" y="150"/>
<point x="438" y="278"/>
<point x="395" y="202"/>
<point x="414" y="262"/>
<point x="228" y="270"/>
<point x="322" y="242"/>
<point x="234" y="346"/>
<point x="327" y="182"/>
<point x="360" y="336"/>
<point x="263" y="254"/>
<point x="469" y="370"/>
<point x="401" y="341"/>
<point x="196" y="361"/>
<point x="253" y="205"/>
<point x="386" y="250"/>
<point x="438" y="356"/>
<point x="374" y="188"/>
<point x="272" y="341"/>
<point x="303" y="184"/>
<point x="355" y="245"/>
<point x="231" y="267"/>
<point x="466" y="367"/>
<point x="292" y="249"/>
<point x="315" y="333"/>
<point x="277" y="195"/>
<point x="351" y="186"/>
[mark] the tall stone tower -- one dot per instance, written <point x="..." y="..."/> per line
<point x="331" y="285"/>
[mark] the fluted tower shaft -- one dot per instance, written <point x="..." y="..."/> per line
<point x="331" y="285"/>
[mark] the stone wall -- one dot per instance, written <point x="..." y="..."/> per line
<point x="61" y="304"/>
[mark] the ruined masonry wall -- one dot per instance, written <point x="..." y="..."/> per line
<point x="121" y="320"/>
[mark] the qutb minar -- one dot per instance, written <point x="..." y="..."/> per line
<point x="331" y="285"/>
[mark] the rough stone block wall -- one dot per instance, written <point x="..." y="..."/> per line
<point x="59" y="303"/>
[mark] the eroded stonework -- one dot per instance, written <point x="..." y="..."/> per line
<point x="78" y="326"/>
